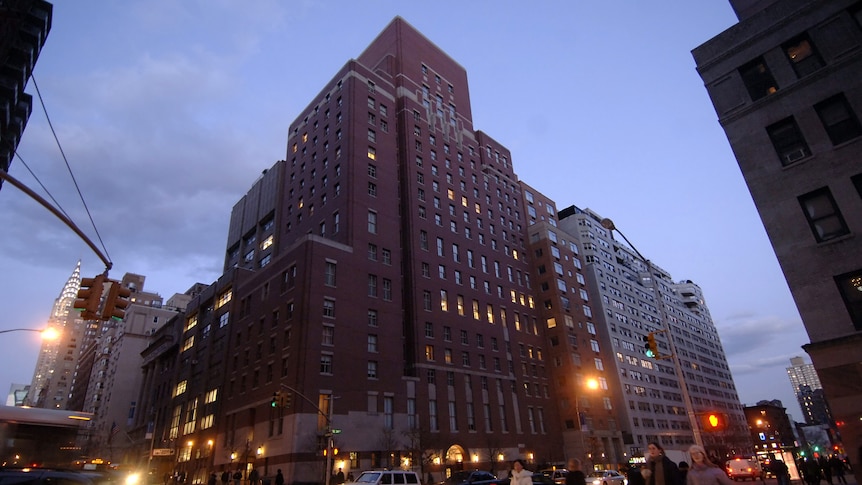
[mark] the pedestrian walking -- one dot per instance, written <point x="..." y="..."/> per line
<point x="279" y="478"/>
<point x="781" y="472"/>
<point x="253" y="477"/>
<point x="575" y="476"/>
<point x="225" y="477"/>
<point x="660" y="469"/>
<point x="704" y="472"/>
<point x="520" y="475"/>
<point x="811" y="471"/>
<point x="825" y="469"/>
<point x="237" y="477"/>
<point x="212" y="480"/>
<point x="634" y="475"/>
<point x="683" y="470"/>
<point x="837" y="467"/>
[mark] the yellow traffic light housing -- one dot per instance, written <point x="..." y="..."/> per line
<point x="116" y="302"/>
<point x="89" y="297"/>
<point x="276" y="398"/>
<point x="650" y="346"/>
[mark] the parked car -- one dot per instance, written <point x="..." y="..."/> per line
<point x="386" y="477"/>
<point x="557" y="475"/>
<point x="540" y="479"/>
<point x="606" y="477"/>
<point x="473" y="477"/>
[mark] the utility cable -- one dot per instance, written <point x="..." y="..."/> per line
<point x="68" y="167"/>
<point x="56" y="204"/>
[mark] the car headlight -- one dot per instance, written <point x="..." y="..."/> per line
<point x="133" y="478"/>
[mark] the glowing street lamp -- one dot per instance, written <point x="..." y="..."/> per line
<point x="49" y="333"/>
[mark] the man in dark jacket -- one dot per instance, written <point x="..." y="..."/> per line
<point x="575" y="476"/>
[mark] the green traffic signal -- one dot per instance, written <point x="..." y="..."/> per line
<point x="650" y="346"/>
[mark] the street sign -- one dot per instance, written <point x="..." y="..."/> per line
<point x="336" y="431"/>
<point x="162" y="452"/>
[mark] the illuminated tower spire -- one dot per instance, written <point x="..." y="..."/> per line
<point x="63" y="320"/>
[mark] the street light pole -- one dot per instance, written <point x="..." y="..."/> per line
<point x="686" y="397"/>
<point x="47" y="333"/>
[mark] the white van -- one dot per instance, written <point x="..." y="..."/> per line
<point x="743" y="469"/>
<point x="387" y="477"/>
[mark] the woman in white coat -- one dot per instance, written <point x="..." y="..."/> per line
<point x="520" y="475"/>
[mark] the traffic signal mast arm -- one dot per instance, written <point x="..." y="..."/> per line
<point x="33" y="195"/>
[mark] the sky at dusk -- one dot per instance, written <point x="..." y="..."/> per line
<point x="168" y="111"/>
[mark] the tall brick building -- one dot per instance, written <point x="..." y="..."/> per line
<point x="392" y="281"/>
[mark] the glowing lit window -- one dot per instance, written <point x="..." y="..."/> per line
<point x="180" y="388"/>
<point x="189" y="343"/>
<point x="372" y="153"/>
<point x="224" y="299"/>
<point x="191" y="322"/>
<point x="268" y="242"/>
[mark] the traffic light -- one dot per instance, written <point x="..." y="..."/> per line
<point x="650" y="346"/>
<point x="714" y="422"/>
<point x="117" y="301"/>
<point x="275" y="398"/>
<point x="89" y="297"/>
<point x="286" y="400"/>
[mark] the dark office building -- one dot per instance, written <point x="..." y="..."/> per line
<point x="786" y="83"/>
<point x="24" y="26"/>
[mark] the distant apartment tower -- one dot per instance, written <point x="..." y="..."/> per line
<point x="579" y="348"/>
<point x="110" y="368"/>
<point x="809" y="392"/>
<point x="24" y="26"/>
<point x="785" y="83"/>
<point x="624" y="302"/>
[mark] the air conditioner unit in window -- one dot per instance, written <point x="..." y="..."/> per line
<point x="796" y="155"/>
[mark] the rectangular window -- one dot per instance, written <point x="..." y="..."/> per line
<point x="328" y="335"/>
<point x="802" y="55"/>
<point x="387" y="289"/>
<point x="329" y="275"/>
<point x="850" y="286"/>
<point x="788" y="141"/>
<point x="758" y="79"/>
<point x="372" y="222"/>
<point x="372" y="285"/>
<point x="329" y="308"/>
<point x="823" y="215"/>
<point x="838" y="119"/>
<point x="326" y="364"/>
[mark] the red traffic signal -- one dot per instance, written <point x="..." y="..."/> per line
<point x="116" y="302"/>
<point x="89" y="297"/>
<point x="714" y="421"/>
